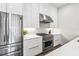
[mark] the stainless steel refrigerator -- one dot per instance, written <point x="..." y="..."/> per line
<point x="11" y="39"/>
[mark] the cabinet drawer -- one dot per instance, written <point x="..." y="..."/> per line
<point x="57" y="36"/>
<point x="16" y="48"/>
<point x="57" y="40"/>
<point x="33" y="42"/>
<point x="56" y="43"/>
<point x="4" y="50"/>
<point x="34" y="50"/>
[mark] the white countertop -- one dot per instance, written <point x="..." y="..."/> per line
<point x="69" y="49"/>
<point x="55" y="33"/>
<point x="29" y="36"/>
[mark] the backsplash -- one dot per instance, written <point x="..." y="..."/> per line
<point x="30" y="30"/>
<point x="41" y="30"/>
<point x="44" y="30"/>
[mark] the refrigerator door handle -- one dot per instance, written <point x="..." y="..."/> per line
<point x="4" y="39"/>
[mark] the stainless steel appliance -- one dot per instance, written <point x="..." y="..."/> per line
<point x="45" y="18"/>
<point x="45" y="21"/>
<point x="10" y="35"/>
<point x="47" y="41"/>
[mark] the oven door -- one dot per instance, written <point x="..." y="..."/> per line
<point x="47" y="45"/>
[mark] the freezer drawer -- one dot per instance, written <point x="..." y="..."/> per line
<point x="16" y="48"/>
<point x="16" y="53"/>
<point x="4" y="50"/>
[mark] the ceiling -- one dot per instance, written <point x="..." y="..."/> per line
<point x="58" y="4"/>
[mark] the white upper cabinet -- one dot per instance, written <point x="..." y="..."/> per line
<point x="3" y="7"/>
<point x="31" y="15"/>
<point x="15" y="8"/>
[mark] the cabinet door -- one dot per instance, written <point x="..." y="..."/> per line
<point x="27" y="12"/>
<point x="3" y="7"/>
<point x="35" y="17"/>
<point x="15" y="8"/>
<point x="31" y="17"/>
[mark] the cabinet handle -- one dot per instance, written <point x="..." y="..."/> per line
<point x="34" y="47"/>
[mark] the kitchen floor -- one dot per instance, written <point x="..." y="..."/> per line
<point x="46" y="52"/>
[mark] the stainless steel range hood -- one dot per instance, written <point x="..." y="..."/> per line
<point x="45" y="18"/>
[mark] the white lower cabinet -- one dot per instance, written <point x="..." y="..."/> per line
<point x="57" y="39"/>
<point x="32" y="46"/>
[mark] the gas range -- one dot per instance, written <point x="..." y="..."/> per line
<point x="47" y="40"/>
<point x="46" y="37"/>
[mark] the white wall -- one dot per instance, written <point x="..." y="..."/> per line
<point x="69" y="21"/>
